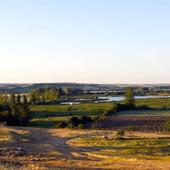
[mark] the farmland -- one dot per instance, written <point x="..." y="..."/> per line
<point x="145" y="144"/>
<point x="134" y="123"/>
<point x="50" y="115"/>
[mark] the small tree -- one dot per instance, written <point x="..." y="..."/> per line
<point x="67" y="91"/>
<point x="18" y="99"/>
<point x="2" y="99"/>
<point x="18" y="113"/>
<point x="25" y="101"/>
<point x="74" y="122"/>
<point x="130" y="100"/>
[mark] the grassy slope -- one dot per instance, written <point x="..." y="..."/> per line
<point x="86" y="149"/>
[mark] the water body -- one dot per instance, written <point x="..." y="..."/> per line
<point x="120" y="98"/>
<point x="112" y="98"/>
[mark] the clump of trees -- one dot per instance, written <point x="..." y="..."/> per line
<point x="44" y="95"/>
<point x="75" y="122"/>
<point x="3" y="98"/>
<point x="18" y="111"/>
<point x="79" y="123"/>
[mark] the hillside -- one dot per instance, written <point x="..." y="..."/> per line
<point x="67" y="149"/>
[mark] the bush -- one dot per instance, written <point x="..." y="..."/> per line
<point x="61" y="125"/>
<point x="74" y="122"/>
<point x="108" y="112"/>
<point x="98" y="118"/>
<point x="71" y="126"/>
<point x="81" y="126"/>
<point x="111" y="111"/>
<point x="120" y="133"/>
<point x="86" y="119"/>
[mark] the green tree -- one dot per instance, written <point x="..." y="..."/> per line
<point x="24" y="100"/>
<point x="2" y="99"/>
<point x="60" y="91"/>
<point x="130" y="100"/>
<point x="19" y="113"/>
<point x="67" y="91"/>
<point x="18" y="99"/>
<point x="35" y="95"/>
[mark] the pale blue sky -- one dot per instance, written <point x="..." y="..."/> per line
<point x="89" y="41"/>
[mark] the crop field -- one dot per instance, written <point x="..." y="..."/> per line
<point x="136" y="120"/>
<point x="47" y="149"/>
<point x="134" y="123"/>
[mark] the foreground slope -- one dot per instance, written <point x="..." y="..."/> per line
<point x="83" y="149"/>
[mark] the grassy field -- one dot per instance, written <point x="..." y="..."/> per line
<point x="154" y="103"/>
<point x="129" y="148"/>
<point x="50" y="115"/>
<point x="83" y="149"/>
<point x="65" y="108"/>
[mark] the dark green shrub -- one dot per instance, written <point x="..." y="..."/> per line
<point x="86" y="119"/>
<point x="61" y="125"/>
<point x="74" y="122"/>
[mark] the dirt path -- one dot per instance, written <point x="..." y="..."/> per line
<point x="42" y="146"/>
<point x="49" y="147"/>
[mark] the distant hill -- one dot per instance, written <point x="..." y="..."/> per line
<point x="24" y="88"/>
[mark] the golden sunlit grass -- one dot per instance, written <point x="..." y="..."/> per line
<point x="85" y="148"/>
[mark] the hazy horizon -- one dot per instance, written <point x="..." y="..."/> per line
<point x="99" y="41"/>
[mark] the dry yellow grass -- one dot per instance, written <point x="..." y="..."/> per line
<point x="64" y="148"/>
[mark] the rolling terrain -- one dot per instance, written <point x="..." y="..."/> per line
<point x="36" y="148"/>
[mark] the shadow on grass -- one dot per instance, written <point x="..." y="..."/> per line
<point x="41" y="143"/>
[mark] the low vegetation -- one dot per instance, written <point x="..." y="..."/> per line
<point x="48" y="149"/>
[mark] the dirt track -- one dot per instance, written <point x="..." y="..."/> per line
<point x="40" y="146"/>
<point x="50" y="148"/>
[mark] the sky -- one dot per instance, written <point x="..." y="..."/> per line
<point x="85" y="41"/>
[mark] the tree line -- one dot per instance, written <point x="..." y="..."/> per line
<point x="50" y="94"/>
<point x="17" y="111"/>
